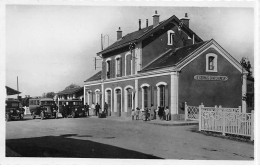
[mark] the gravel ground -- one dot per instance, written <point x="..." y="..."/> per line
<point x="110" y="138"/>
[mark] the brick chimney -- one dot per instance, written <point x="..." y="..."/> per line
<point x="139" y="24"/>
<point x="119" y="33"/>
<point x="146" y="22"/>
<point x="156" y="19"/>
<point x="185" y="20"/>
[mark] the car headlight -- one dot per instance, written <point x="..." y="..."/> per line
<point x="17" y="111"/>
<point x="11" y="111"/>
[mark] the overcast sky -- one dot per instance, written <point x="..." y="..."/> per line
<point x="50" y="47"/>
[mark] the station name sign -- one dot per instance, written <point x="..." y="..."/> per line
<point x="210" y="78"/>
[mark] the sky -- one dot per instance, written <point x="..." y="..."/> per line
<point x="51" y="47"/>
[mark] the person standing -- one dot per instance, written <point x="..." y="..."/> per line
<point x="153" y="113"/>
<point x="87" y="109"/>
<point x="167" y="113"/>
<point x="137" y="112"/>
<point x="133" y="114"/>
<point x="146" y="113"/>
<point x="106" y="109"/>
<point x="160" y="112"/>
<point x="97" y="109"/>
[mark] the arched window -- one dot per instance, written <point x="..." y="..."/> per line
<point x="170" y="34"/>
<point x="145" y="88"/>
<point x="211" y="62"/>
<point x="108" y="68"/>
<point x="98" y="96"/>
<point x="161" y="86"/>
<point x="118" y="100"/>
<point x="118" y="66"/>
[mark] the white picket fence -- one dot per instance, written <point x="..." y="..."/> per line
<point x="223" y="120"/>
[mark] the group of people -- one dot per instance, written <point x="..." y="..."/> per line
<point x="150" y="114"/>
<point x="96" y="109"/>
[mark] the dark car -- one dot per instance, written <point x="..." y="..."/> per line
<point x="13" y="110"/>
<point x="71" y="108"/>
<point x="43" y="107"/>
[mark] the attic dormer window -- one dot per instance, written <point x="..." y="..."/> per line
<point x="211" y="62"/>
<point x="170" y="34"/>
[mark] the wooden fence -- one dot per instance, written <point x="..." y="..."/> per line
<point x="223" y="120"/>
<point x="226" y="121"/>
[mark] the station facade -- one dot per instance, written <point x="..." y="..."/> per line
<point x="165" y="64"/>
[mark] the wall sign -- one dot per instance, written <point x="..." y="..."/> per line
<point x="209" y="77"/>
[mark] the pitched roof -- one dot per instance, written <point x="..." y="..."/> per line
<point x="146" y="32"/>
<point x="70" y="91"/>
<point x="95" y="77"/>
<point x="11" y="91"/>
<point x="173" y="57"/>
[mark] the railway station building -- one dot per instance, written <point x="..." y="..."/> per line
<point x="165" y="64"/>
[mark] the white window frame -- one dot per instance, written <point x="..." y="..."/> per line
<point x="97" y="96"/>
<point x="108" y="59"/>
<point x="215" y="62"/>
<point x="142" y="87"/>
<point x="131" y="64"/>
<point x="115" y="99"/>
<point x="125" y="97"/>
<point x="158" y="91"/>
<point x="106" y="97"/>
<point x="170" y="34"/>
<point x="118" y="57"/>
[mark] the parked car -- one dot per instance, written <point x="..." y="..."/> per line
<point x="71" y="108"/>
<point x="13" y="110"/>
<point x="43" y="107"/>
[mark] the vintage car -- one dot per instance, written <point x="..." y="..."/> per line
<point x="43" y="107"/>
<point x="71" y="108"/>
<point x="13" y="110"/>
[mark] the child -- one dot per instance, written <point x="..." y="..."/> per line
<point x="133" y="114"/>
<point x="167" y="112"/>
<point x="137" y="113"/>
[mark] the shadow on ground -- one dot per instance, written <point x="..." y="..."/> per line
<point x="64" y="146"/>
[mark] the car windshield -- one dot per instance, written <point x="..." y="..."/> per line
<point x="47" y="102"/>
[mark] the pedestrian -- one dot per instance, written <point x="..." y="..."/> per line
<point x="133" y="114"/>
<point x="145" y="113"/>
<point x="87" y="109"/>
<point x="93" y="108"/>
<point x="160" y="112"/>
<point x="167" y="113"/>
<point x="137" y="112"/>
<point x="153" y="113"/>
<point x="106" y="109"/>
<point x="97" y="109"/>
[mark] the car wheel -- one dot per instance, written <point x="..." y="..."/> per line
<point x="33" y="115"/>
<point x="21" y="116"/>
<point x="7" y="117"/>
<point x="73" y="115"/>
<point x="42" y="115"/>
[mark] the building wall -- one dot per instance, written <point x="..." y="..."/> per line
<point x="210" y="93"/>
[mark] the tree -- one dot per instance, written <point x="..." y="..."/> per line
<point x="247" y="65"/>
<point x="71" y="86"/>
<point x="48" y="95"/>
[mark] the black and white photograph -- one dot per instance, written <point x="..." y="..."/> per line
<point x="154" y="82"/>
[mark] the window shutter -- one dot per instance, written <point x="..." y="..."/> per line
<point x="149" y="96"/>
<point x="112" y="68"/>
<point x="121" y="66"/>
<point x="155" y="97"/>
<point x="103" y="75"/>
<point x="166" y="96"/>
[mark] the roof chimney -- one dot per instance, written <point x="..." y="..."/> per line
<point x="156" y="18"/>
<point x="119" y="33"/>
<point x="185" y="20"/>
<point x="146" y="22"/>
<point x="139" y="24"/>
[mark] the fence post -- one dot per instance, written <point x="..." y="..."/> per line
<point x="200" y="112"/>
<point x="186" y="111"/>
<point x="223" y="121"/>
<point x="252" y="125"/>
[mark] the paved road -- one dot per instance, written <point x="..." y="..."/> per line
<point x="110" y="138"/>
